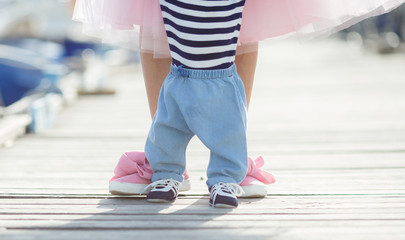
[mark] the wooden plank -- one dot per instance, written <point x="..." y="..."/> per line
<point x="282" y="233"/>
<point x="200" y="191"/>
<point x="192" y="224"/>
<point x="204" y="217"/>
<point x="159" y="209"/>
<point x="273" y="200"/>
<point x="273" y="205"/>
<point x="272" y="191"/>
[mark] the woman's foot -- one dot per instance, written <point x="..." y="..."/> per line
<point x="255" y="183"/>
<point x="133" y="174"/>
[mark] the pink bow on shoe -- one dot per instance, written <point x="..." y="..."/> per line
<point x="255" y="173"/>
<point x="254" y="183"/>
<point x="133" y="167"/>
<point x="133" y="174"/>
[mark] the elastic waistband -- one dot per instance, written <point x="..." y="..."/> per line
<point x="203" y="74"/>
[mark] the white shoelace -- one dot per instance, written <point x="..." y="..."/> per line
<point x="163" y="185"/>
<point x="225" y="189"/>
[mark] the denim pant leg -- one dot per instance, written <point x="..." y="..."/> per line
<point x="219" y="119"/>
<point x="169" y="135"/>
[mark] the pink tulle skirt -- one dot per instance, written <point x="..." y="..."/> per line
<point x="138" y="23"/>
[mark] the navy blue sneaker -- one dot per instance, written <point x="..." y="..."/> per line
<point x="163" y="191"/>
<point x="223" y="195"/>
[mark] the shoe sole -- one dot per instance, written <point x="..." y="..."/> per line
<point x="254" y="191"/>
<point x="122" y="188"/>
<point x="160" y="200"/>
<point x="220" y="205"/>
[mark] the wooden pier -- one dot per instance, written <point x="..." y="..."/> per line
<point x="328" y="119"/>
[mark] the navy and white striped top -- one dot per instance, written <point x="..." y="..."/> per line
<point x="202" y="34"/>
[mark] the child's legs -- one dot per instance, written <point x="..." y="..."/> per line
<point x="216" y="112"/>
<point x="156" y="69"/>
<point x="168" y="137"/>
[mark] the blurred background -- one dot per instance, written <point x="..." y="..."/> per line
<point x="46" y="61"/>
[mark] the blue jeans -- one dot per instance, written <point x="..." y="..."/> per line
<point x="210" y="104"/>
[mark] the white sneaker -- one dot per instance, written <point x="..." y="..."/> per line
<point x="163" y="191"/>
<point x="223" y="195"/>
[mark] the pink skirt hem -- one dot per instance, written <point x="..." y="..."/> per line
<point x="138" y="24"/>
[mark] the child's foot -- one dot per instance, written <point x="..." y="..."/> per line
<point x="223" y="195"/>
<point x="163" y="191"/>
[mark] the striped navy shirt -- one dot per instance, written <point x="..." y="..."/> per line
<point x="202" y="34"/>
